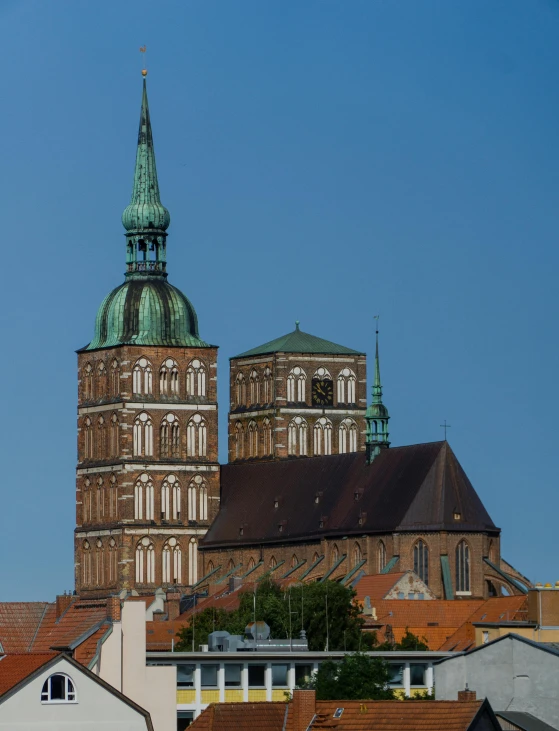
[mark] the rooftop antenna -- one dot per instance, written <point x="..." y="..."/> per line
<point x="144" y="69"/>
<point x="445" y="426"/>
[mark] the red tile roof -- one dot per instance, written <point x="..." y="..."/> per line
<point x="241" y="717"/>
<point x="376" y="586"/>
<point x="16" y="667"/>
<point x="19" y="622"/>
<point x="496" y="609"/>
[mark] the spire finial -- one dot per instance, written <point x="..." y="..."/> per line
<point x="377" y="414"/>
<point x="297" y="325"/>
<point x="146" y="219"/>
<point x="144" y="70"/>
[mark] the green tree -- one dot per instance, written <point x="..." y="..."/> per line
<point x="356" y="677"/>
<point x="412" y="642"/>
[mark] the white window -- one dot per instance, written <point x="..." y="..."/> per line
<point x="170" y="498"/>
<point x="145" y="562"/>
<point x="253" y="439"/>
<point x="267" y="437"/>
<point x="240" y="385"/>
<point x="169" y="378"/>
<point x="347" y="436"/>
<point x="196" y="378"/>
<point x="58" y="688"/>
<point x="87" y="375"/>
<point x="99" y="563"/>
<point x="381" y="556"/>
<point x="322" y="436"/>
<point x="346" y="386"/>
<point x="143" y="435"/>
<point x="296" y="385"/>
<point x="254" y="382"/>
<point x="192" y="502"/>
<point x="297" y="436"/>
<point x="165" y="500"/>
<point x="142" y="377"/>
<point x="86" y="563"/>
<point x="239" y="441"/>
<point x="203" y="502"/>
<point x="115" y="378"/>
<point x="192" y="561"/>
<point x="113" y="561"/>
<point x="267" y="384"/>
<point x="170" y="436"/>
<point x="196" y="437"/>
<point x="172" y="562"/>
<point x="143" y="498"/>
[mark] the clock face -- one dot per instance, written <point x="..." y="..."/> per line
<point x="322" y="392"/>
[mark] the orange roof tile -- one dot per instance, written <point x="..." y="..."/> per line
<point x="263" y="716"/>
<point x="16" y="667"/>
<point x="161" y="634"/>
<point x="19" y="622"/>
<point x="80" y="619"/>
<point x="86" y="651"/>
<point x="376" y="586"/>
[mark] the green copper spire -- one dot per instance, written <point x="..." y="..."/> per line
<point x="376" y="415"/>
<point x="146" y="219"/>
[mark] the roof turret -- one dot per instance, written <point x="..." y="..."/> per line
<point x="376" y="415"/>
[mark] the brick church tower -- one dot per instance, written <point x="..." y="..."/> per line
<point x="147" y="483"/>
<point x="297" y="396"/>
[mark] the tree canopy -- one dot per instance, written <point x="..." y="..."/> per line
<point x="355" y="677"/>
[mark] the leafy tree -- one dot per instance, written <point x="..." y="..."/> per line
<point x="408" y="642"/>
<point x="355" y="677"/>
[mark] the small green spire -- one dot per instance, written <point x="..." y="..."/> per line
<point x="146" y="219"/>
<point x="376" y="415"/>
<point x="297" y="325"/>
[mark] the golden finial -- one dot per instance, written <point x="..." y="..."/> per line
<point x="144" y="70"/>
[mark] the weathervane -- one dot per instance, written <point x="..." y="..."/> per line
<point x="144" y="70"/>
<point x="445" y="426"/>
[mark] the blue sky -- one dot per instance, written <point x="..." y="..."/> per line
<point x="323" y="161"/>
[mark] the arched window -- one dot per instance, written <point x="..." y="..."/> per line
<point x="273" y="562"/>
<point x="297" y="436"/>
<point x="192" y="561"/>
<point x="294" y="561"/>
<point x="346" y="386"/>
<point x="142" y="377"/>
<point x="462" y="566"/>
<point x="251" y="564"/>
<point x="196" y="378"/>
<point x="115" y="436"/>
<point x="99" y="563"/>
<point x="86" y="563"/>
<point x="101" y="380"/>
<point x="421" y="561"/>
<point x="254" y="382"/>
<point x="196" y="437"/>
<point x="347" y="436"/>
<point x="145" y="561"/>
<point x="210" y="567"/>
<point x="239" y="441"/>
<point x="113" y="561"/>
<point x="101" y="438"/>
<point x="113" y="497"/>
<point x="143" y="498"/>
<point x="381" y="556"/>
<point x="100" y="501"/>
<point x="357" y="556"/>
<point x="115" y="378"/>
<point x="322" y="432"/>
<point x="267" y="437"/>
<point x="267" y="385"/>
<point x="87" y="375"/>
<point x="296" y="385"/>
<point x="170" y="436"/>
<point x="335" y="554"/>
<point x="58" y="688"/>
<point x="192" y="501"/>
<point x="315" y="558"/>
<point x="88" y="438"/>
<point x="143" y="435"/>
<point x="86" y="500"/>
<point x="170" y="498"/>
<point x="230" y="565"/>
<point x="165" y="500"/>
<point x="492" y="552"/>
<point x="253" y="439"/>
<point x="169" y="378"/>
<point x="240" y="387"/>
<point x="172" y="562"/>
<point x="203" y="502"/>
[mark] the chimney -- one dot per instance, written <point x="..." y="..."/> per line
<point x="466" y="694"/>
<point x="63" y="601"/>
<point x="303" y="708"/>
<point x="172" y="605"/>
<point x="113" y="608"/>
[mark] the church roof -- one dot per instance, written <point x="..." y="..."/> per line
<point x="299" y="342"/>
<point x="415" y="488"/>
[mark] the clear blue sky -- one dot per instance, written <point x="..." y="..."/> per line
<point x="322" y="161"/>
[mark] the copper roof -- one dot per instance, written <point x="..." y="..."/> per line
<point x="419" y="487"/>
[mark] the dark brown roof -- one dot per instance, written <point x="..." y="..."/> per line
<point x="419" y="487"/>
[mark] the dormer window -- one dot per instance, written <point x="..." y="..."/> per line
<point x="58" y="688"/>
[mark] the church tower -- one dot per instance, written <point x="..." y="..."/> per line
<point x="148" y="475"/>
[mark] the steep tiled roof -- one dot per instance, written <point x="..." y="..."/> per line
<point x="16" y="667"/>
<point x="419" y="487"/>
<point x="19" y="622"/>
<point x="376" y="586"/>
<point x="242" y="717"/>
<point x="78" y="622"/>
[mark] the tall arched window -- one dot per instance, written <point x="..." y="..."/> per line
<point x="322" y="432"/>
<point x="347" y="436"/>
<point x="381" y="556"/>
<point x="254" y="382"/>
<point x="356" y="554"/>
<point x="253" y="439"/>
<point x="297" y="437"/>
<point x="170" y="436"/>
<point x="142" y="377"/>
<point x="143" y="435"/>
<point x="346" y="386"/>
<point x="273" y="562"/>
<point x="294" y="561"/>
<point x="169" y="378"/>
<point x="421" y="560"/>
<point x="86" y="500"/>
<point x="144" y="498"/>
<point x="240" y="388"/>
<point x="335" y="554"/>
<point x="192" y="561"/>
<point x="86" y="563"/>
<point x="462" y="566"/>
<point x="100" y="500"/>
<point x="239" y="441"/>
<point x="165" y="500"/>
<point x="101" y="438"/>
<point x="115" y="378"/>
<point x="87" y="376"/>
<point x="296" y="385"/>
<point x="113" y="498"/>
<point x="192" y="501"/>
<point x="113" y="561"/>
<point x="267" y="385"/>
<point x="196" y="437"/>
<point x="172" y="562"/>
<point x="170" y="498"/>
<point x="115" y="436"/>
<point x="203" y="502"/>
<point x="145" y="561"/>
<point x="99" y="563"/>
<point x="101" y="380"/>
<point x="267" y="437"/>
<point x="88" y="438"/>
<point x="196" y="378"/>
<point x="251" y="564"/>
